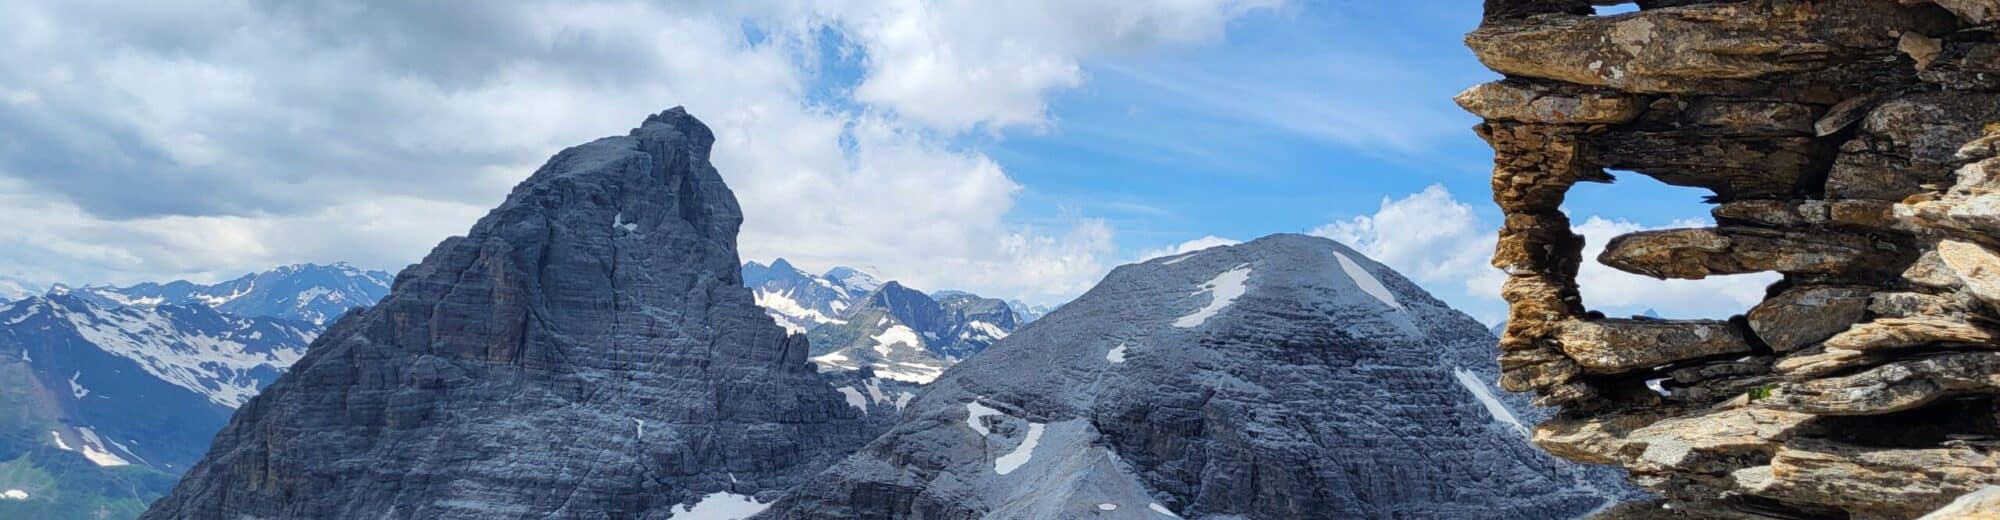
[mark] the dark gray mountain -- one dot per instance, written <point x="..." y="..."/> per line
<point x="974" y="324"/>
<point x="1289" y="377"/>
<point x="588" y="350"/>
<point x="906" y="335"/>
<point x="311" y="293"/>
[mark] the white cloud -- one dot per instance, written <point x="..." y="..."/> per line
<point x="1441" y="242"/>
<point x="1611" y="289"/>
<point x="954" y="64"/>
<point x="207" y="138"/>
<point x="1187" y="247"/>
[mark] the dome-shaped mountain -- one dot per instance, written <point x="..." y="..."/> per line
<point x="1289" y="377"/>
<point x="586" y="351"/>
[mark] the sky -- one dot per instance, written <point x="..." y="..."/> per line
<point x="1014" y="149"/>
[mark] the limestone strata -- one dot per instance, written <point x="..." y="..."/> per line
<point x="1852" y="146"/>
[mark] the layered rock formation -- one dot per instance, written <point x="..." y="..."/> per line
<point x="1851" y="146"/>
<point x="586" y="351"/>
<point x="1289" y="377"/>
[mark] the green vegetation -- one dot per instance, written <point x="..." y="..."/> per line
<point x="63" y="488"/>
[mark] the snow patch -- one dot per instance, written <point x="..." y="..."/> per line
<point x="32" y="311"/>
<point x="1367" y="281"/>
<point x="14" y="494"/>
<point x="1157" y="508"/>
<point x="1223" y="291"/>
<point x="973" y="412"/>
<point x="902" y="399"/>
<point x="888" y="339"/>
<point x="1013" y="461"/>
<point x="93" y="449"/>
<point x="309" y="295"/>
<point x="75" y="388"/>
<point x="854" y="398"/>
<point x="875" y="394"/>
<point x="1473" y="384"/>
<point x="1116" y="355"/>
<point x="795" y="316"/>
<point x="60" y="445"/>
<point x="217" y="367"/>
<point x="618" y="222"/>
<point x="1107" y="507"/>
<point x="990" y="330"/>
<point x="719" y="506"/>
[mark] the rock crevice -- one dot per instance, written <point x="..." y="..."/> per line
<point x="1850" y="145"/>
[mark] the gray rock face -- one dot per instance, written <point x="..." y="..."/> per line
<point x="1289" y="377"/>
<point x="586" y="351"/>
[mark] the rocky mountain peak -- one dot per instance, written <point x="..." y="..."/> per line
<point x="586" y="350"/>
<point x="855" y="278"/>
<point x="1281" y="378"/>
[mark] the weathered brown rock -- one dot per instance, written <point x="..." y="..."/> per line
<point x="1801" y="317"/>
<point x="1976" y="267"/>
<point x="1612" y="346"/>
<point x="1894" y="387"/>
<point x="1983" y="504"/>
<point x="1732" y="47"/>
<point x="1851" y="145"/>
<point x="1874" y="482"/>
<point x="1531" y="103"/>
<point x="1700" y="252"/>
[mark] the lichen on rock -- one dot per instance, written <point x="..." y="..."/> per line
<point x="1852" y="146"/>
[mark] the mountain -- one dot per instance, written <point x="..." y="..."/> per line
<point x="905" y="335"/>
<point x="854" y="278"/>
<point x="1290" y="377"/>
<point x="1024" y="313"/>
<point x="801" y="301"/>
<point x="587" y="350"/>
<point x="304" y="292"/>
<point x="854" y="320"/>
<point x="12" y="289"/>
<point x="102" y="406"/>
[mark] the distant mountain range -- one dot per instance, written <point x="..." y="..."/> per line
<point x="855" y="320"/>
<point x="108" y="393"/>
<point x="315" y="294"/>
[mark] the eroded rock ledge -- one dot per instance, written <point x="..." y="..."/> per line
<point x="1852" y="146"/>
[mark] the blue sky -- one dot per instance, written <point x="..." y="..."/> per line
<point x="1018" y="150"/>
<point x="1302" y="117"/>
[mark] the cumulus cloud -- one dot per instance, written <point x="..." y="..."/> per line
<point x="1187" y="247"/>
<point x="1433" y="238"/>
<point x="205" y="138"/>
<point x="958" y="63"/>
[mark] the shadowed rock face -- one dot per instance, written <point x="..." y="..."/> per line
<point x="1851" y="147"/>
<point x="1289" y="377"/>
<point x="586" y="351"/>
